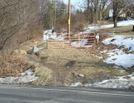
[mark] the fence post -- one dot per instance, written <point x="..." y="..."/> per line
<point x="63" y="41"/>
<point x="47" y="41"/>
<point x="79" y="39"/>
<point x="133" y="28"/>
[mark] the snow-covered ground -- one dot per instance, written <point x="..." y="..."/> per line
<point x="25" y="77"/>
<point x="122" y="23"/>
<point x="118" y="56"/>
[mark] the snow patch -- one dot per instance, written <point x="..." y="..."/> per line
<point x="122" y="82"/>
<point x="118" y="56"/>
<point x="125" y="60"/>
<point x="25" y="77"/>
<point x="121" y="23"/>
<point x="121" y="41"/>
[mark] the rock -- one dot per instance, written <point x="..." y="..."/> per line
<point x="22" y="52"/>
<point x="75" y="74"/>
<point x="70" y="64"/>
<point x="81" y="75"/>
<point x="35" y="49"/>
<point x="30" y="51"/>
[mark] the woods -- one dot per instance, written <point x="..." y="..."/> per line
<point x="118" y="8"/>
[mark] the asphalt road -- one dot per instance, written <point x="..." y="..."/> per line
<point x="17" y="94"/>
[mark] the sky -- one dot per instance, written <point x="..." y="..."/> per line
<point x="76" y="3"/>
<point x="73" y="2"/>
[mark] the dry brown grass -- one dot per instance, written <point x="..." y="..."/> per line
<point x="122" y="30"/>
<point x="65" y="62"/>
<point x="45" y="76"/>
<point x="14" y="65"/>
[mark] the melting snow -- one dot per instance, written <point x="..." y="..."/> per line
<point x="117" y="56"/>
<point x="122" y="82"/>
<point x="81" y="43"/>
<point x="25" y="77"/>
<point x="121" y="41"/>
<point x="122" y="23"/>
<point x="125" y="60"/>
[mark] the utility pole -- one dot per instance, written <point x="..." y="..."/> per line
<point x="55" y="2"/>
<point x="69" y="17"/>
<point x="53" y="13"/>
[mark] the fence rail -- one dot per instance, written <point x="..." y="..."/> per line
<point x="76" y="40"/>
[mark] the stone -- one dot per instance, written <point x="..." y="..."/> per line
<point x="22" y="52"/>
<point x="36" y="49"/>
<point x="81" y="75"/>
<point x="75" y="74"/>
<point x="30" y="52"/>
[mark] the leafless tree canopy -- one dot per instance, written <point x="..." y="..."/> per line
<point x="17" y="17"/>
<point x="131" y="6"/>
<point x="119" y="6"/>
<point x="96" y="9"/>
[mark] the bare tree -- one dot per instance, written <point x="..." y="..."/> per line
<point x="97" y="8"/>
<point x="119" y="6"/>
<point x="131" y="7"/>
<point x="18" y="19"/>
<point x="93" y="4"/>
<point x="104" y="6"/>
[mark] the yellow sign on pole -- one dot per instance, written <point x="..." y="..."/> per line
<point x="69" y="16"/>
<point x="69" y="21"/>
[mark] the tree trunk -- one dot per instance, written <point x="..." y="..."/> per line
<point x="115" y="14"/>
<point x="115" y="21"/>
<point x="92" y="16"/>
<point x="100" y="18"/>
<point x="133" y="28"/>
